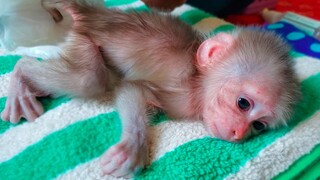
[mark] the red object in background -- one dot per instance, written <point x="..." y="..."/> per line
<point x="245" y="19"/>
<point x="309" y="8"/>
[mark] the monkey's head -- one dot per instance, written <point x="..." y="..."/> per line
<point x="248" y="83"/>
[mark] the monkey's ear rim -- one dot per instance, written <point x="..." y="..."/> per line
<point x="212" y="49"/>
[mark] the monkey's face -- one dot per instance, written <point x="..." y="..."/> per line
<point x="243" y="82"/>
<point x="240" y="109"/>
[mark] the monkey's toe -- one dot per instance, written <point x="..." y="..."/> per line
<point x="21" y="106"/>
<point x="122" y="160"/>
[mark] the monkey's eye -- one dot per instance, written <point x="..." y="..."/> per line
<point x="243" y="104"/>
<point x="259" y="126"/>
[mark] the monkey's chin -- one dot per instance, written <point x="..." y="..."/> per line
<point x="213" y="131"/>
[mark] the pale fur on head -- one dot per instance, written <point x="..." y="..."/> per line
<point x="259" y="51"/>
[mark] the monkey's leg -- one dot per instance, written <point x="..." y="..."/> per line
<point x="21" y="101"/>
<point x="79" y="72"/>
<point x="131" y="153"/>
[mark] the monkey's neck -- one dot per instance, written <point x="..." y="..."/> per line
<point x="180" y="101"/>
<point x="195" y="98"/>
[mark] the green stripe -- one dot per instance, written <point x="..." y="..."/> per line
<point x="7" y="63"/>
<point x="64" y="149"/>
<point x="142" y="8"/>
<point x="222" y="28"/>
<point x="312" y="173"/>
<point x="113" y="3"/>
<point x="193" y="16"/>
<point x="211" y="158"/>
<point x="158" y="118"/>
<point x="303" y="167"/>
<point x="48" y="104"/>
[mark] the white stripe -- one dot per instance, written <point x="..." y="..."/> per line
<point x="164" y="138"/>
<point x="133" y="5"/>
<point x="306" y="67"/>
<point x="4" y="84"/>
<point x="182" y="9"/>
<point x="167" y="136"/>
<point x="279" y="155"/>
<point x="42" y="51"/>
<point x="16" y="139"/>
<point x="206" y="25"/>
<point x="89" y="170"/>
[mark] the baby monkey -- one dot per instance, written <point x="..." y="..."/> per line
<point x="237" y="83"/>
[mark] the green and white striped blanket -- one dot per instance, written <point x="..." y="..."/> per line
<point x="67" y="141"/>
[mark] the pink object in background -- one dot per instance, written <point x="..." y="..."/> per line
<point x="258" y="5"/>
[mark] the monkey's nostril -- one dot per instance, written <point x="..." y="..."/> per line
<point x="235" y="136"/>
<point x="238" y="135"/>
<point x="234" y="133"/>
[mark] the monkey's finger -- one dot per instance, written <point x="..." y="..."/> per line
<point x="121" y="173"/>
<point x="117" y="162"/>
<point x="116" y="171"/>
<point x="37" y="106"/>
<point x="27" y="109"/>
<point x="106" y="158"/>
<point x="125" y="170"/>
<point x="109" y="168"/>
<point x="5" y="114"/>
<point x="110" y="153"/>
<point x="15" y="111"/>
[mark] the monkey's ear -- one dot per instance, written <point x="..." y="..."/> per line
<point x="214" y="48"/>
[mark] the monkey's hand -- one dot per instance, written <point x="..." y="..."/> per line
<point x="125" y="158"/>
<point x="21" y="101"/>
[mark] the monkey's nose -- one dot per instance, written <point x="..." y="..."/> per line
<point x="239" y="133"/>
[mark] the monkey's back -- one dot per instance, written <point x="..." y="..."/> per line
<point x="143" y="46"/>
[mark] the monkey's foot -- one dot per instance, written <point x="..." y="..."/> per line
<point x="21" y="101"/>
<point x="124" y="159"/>
<point x="21" y="106"/>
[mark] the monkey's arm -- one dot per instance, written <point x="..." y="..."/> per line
<point x="131" y="153"/>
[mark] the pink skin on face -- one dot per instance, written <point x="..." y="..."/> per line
<point x="227" y="121"/>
